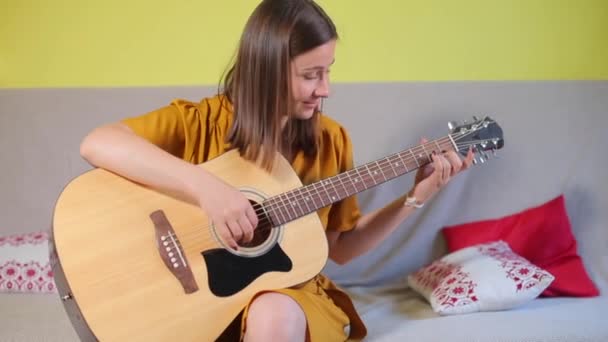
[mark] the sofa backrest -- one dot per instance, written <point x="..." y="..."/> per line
<point x="554" y="143"/>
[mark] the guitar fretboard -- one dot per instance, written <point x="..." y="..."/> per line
<point x="296" y="203"/>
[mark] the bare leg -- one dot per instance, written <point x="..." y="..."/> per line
<point x="275" y="317"/>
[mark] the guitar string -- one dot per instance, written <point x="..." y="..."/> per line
<point x="197" y="245"/>
<point x="265" y="222"/>
<point x="302" y="193"/>
<point x="274" y="206"/>
<point x="278" y="204"/>
<point x="367" y="176"/>
<point x="285" y="204"/>
<point x="305" y="192"/>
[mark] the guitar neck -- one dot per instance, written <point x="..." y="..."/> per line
<point x="296" y="203"/>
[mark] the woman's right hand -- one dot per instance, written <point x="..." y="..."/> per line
<point x="117" y="148"/>
<point x="230" y="211"/>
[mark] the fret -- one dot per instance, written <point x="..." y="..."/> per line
<point x="403" y="162"/>
<point x="306" y="199"/>
<point x="415" y="158"/>
<point x="362" y="178"/>
<point x="287" y="206"/>
<point x="381" y="171"/>
<point x="332" y="187"/>
<point x="390" y="162"/>
<point x="358" y="180"/>
<point x="299" y="201"/>
<point x="315" y="197"/>
<point x="319" y="199"/>
<point x="280" y="208"/>
<point x="453" y="143"/>
<point x="426" y="153"/>
<point x="295" y="203"/>
<point x="370" y="173"/>
<point x="346" y="192"/>
<point x="259" y="210"/>
<point x="272" y="221"/>
<point x="349" y="182"/>
<point x="439" y="149"/>
<point x="266" y="205"/>
<point x="274" y="208"/>
<point x="327" y="192"/>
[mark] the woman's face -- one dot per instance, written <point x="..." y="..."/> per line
<point x="310" y="79"/>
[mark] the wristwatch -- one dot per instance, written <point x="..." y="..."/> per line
<point x="411" y="201"/>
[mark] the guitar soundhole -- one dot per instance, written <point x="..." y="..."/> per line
<point x="260" y="235"/>
<point x="265" y="235"/>
<point x="262" y="232"/>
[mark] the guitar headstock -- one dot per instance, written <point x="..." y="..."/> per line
<point x="482" y="135"/>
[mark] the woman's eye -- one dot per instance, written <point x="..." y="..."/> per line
<point x="310" y="76"/>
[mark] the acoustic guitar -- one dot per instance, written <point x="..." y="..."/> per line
<point x="135" y="264"/>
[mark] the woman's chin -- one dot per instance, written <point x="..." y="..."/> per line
<point x="305" y="113"/>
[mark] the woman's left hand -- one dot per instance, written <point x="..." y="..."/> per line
<point x="432" y="177"/>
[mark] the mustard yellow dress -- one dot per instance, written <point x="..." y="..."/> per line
<point x="196" y="132"/>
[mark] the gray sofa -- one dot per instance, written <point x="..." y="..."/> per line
<point x="555" y="143"/>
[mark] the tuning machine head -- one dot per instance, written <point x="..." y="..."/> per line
<point x="452" y="125"/>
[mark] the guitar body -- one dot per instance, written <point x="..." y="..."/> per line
<point x="135" y="264"/>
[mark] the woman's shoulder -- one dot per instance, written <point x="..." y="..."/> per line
<point x="212" y="110"/>
<point x="333" y="130"/>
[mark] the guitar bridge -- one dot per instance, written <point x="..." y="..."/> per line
<point x="171" y="251"/>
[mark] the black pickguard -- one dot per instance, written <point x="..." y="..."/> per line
<point x="228" y="273"/>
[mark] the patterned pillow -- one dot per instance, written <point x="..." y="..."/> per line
<point x="24" y="264"/>
<point x="484" y="277"/>
<point x="543" y="235"/>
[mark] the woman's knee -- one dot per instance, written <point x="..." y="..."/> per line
<point x="276" y="316"/>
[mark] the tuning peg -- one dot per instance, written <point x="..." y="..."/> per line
<point x="478" y="160"/>
<point x="452" y="125"/>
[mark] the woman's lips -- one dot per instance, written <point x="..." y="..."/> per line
<point x="310" y="104"/>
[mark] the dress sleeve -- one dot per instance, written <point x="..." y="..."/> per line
<point x="344" y="215"/>
<point x="185" y="129"/>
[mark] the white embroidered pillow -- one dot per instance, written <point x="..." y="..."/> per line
<point x="24" y="264"/>
<point x="485" y="277"/>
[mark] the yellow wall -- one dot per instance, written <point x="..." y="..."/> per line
<point x="80" y="43"/>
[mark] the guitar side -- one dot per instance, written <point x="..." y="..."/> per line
<point x="116" y="276"/>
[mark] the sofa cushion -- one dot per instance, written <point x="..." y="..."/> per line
<point x="24" y="264"/>
<point x="486" y="277"/>
<point x="394" y="314"/>
<point x="540" y="234"/>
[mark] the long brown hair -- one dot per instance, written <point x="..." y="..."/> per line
<point x="259" y="84"/>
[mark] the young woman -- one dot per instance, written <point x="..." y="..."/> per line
<point x="270" y="103"/>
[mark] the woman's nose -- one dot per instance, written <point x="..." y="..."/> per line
<point x="322" y="89"/>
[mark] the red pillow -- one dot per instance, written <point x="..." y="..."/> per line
<point x="542" y="235"/>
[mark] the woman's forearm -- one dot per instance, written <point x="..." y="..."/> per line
<point x="370" y="231"/>
<point x="116" y="148"/>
